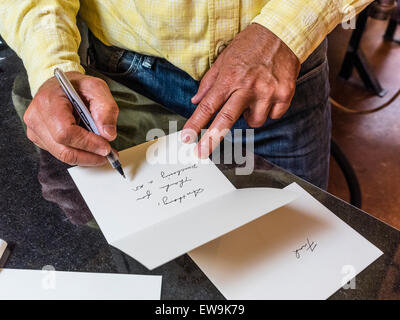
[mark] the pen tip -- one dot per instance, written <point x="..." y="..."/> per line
<point x="119" y="169"/>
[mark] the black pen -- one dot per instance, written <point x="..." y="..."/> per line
<point x="85" y="115"/>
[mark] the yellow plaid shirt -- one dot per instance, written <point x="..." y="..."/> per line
<point x="189" y="34"/>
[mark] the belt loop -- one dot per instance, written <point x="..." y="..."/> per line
<point x="90" y="60"/>
<point x="114" y="59"/>
<point x="90" y="57"/>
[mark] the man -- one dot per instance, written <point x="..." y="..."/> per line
<point x="248" y="55"/>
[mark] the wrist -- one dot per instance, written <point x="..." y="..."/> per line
<point x="40" y="78"/>
<point x="275" y="44"/>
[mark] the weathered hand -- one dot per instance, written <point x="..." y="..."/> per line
<point x="254" y="76"/>
<point x="52" y="126"/>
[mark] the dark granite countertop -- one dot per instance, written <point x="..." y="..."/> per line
<point x="40" y="234"/>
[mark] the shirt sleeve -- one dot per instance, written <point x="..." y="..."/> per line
<point x="303" y="24"/>
<point x="44" y="35"/>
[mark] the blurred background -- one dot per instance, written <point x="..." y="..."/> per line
<point x="371" y="142"/>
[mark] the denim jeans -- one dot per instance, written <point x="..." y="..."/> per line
<point x="298" y="142"/>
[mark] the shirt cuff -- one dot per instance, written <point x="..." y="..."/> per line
<point x="37" y="79"/>
<point x="301" y="27"/>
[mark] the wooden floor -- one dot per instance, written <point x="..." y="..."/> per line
<point x="371" y="142"/>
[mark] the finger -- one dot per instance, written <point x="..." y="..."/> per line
<point x="62" y="128"/>
<point x="65" y="154"/>
<point x="222" y="123"/>
<point x="102" y="106"/>
<point x="34" y="138"/>
<point x="206" y="84"/>
<point x="76" y="157"/>
<point x="257" y="114"/>
<point x="204" y="112"/>
<point x="76" y="137"/>
<point x="278" y="110"/>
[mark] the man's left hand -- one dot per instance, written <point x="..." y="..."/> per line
<point x="254" y="76"/>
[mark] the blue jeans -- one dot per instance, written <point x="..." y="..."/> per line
<point x="298" y="142"/>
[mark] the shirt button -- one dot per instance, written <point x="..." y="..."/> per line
<point x="220" y="47"/>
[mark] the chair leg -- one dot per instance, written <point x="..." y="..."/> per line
<point x="390" y="31"/>
<point x="349" y="174"/>
<point x="354" y="58"/>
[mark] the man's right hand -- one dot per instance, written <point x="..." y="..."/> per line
<point x="51" y="124"/>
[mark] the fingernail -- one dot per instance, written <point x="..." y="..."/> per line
<point x="110" y="130"/>
<point x="185" y="138"/>
<point x="201" y="151"/>
<point x="188" y="136"/>
<point x="196" y="152"/>
<point x="104" y="152"/>
<point x="194" y="99"/>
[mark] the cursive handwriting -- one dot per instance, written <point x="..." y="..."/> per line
<point x="166" y="201"/>
<point x="177" y="172"/>
<point x="146" y="196"/>
<point x="179" y="183"/>
<point x="308" y="246"/>
<point x="195" y="193"/>
<point x="137" y="188"/>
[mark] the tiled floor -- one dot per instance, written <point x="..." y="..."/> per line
<point x="371" y="142"/>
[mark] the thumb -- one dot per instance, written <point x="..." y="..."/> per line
<point x="102" y="106"/>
